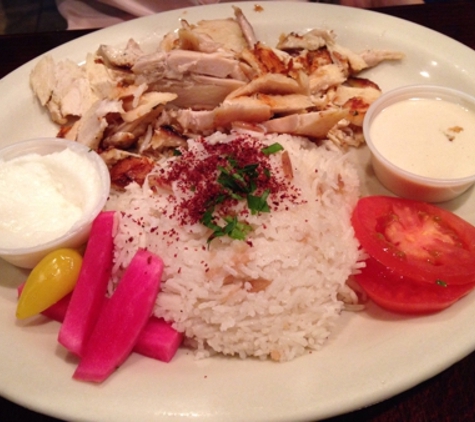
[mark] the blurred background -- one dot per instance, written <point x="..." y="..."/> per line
<point x="27" y="16"/>
<point x="20" y="16"/>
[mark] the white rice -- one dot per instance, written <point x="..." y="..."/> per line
<point x="306" y="250"/>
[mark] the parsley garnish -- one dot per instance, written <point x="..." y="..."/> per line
<point x="441" y="283"/>
<point x="233" y="228"/>
<point x="238" y="183"/>
<point x="272" y="149"/>
<point x="258" y="203"/>
<point x="238" y="180"/>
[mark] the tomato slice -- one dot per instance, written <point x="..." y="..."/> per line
<point x="416" y="239"/>
<point x="404" y="294"/>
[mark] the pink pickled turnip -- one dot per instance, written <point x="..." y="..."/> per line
<point x="89" y="294"/>
<point x="122" y="318"/>
<point x="158" y="340"/>
<point x="58" y="310"/>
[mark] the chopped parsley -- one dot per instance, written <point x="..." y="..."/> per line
<point x="272" y="149"/>
<point x="239" y="183"/>
<point x="233" y="228"/>
<point x="258" y="204"/>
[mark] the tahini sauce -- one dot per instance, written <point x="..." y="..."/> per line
<point x="427" y="137"/>
<point x="41" y="197"/>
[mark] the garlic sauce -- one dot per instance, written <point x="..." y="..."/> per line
<point x="428" y="137"/>
<point x="43" y="196"/>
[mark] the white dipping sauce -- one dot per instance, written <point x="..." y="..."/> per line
<point x="42" y="197"/>
<point x="427" y="137"/>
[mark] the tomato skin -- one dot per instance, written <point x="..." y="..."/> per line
<point x="50" y="280"/>
<point x="406" y="295"/>
<point x="416" y="239"/>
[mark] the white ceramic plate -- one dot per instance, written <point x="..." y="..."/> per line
<point x="372" y="355"/>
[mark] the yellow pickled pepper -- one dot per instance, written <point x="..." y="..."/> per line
<point x="51" y="279"/>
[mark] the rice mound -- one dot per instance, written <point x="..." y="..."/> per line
<point x="275" y="295"/>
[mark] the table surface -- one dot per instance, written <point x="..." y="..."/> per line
<point x="449" y="396"/>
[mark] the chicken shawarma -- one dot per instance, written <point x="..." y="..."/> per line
<point x="214" y="75"/>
